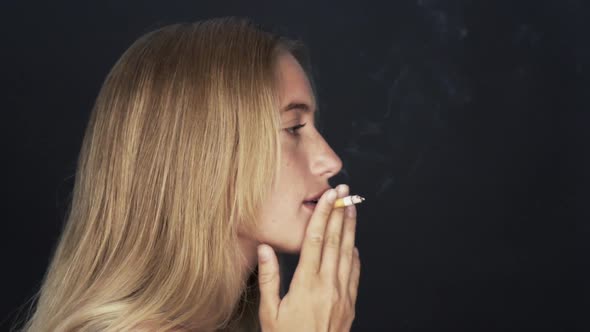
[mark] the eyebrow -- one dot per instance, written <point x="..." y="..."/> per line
<point x="297" y="106"/>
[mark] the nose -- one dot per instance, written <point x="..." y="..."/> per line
<point x="324" y="161"/>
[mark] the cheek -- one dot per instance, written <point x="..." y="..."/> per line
<point x="292" y="166"/>
<point x="290" y="188"/>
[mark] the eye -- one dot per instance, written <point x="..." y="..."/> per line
<point x="293" y="130"/>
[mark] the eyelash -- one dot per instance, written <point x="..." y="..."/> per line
<point x="295" y="129"/>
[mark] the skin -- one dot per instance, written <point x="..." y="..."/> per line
<point x="288" y="226"/>
<point x="307" y="164"/>
<point x="322" y="295"/>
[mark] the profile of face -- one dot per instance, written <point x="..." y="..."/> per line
<point x="307" y="162"/>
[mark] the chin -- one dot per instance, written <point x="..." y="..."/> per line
<point x="289" y="248"/>
<point x="292" y="251"/>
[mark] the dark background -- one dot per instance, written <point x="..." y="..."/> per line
<point x="463" y="123"/>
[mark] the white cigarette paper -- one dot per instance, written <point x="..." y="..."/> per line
<point x="348" y="200"/>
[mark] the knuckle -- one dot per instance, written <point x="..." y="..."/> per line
<point x="350" y="301"/>
<point x="334" y="300"/>
<point x="267" y="277"/>
<point x="349" y="308"/>
<point x="327" y="284"/>
<point x="335" y="297"/>
<point x="348" y="254"/>
<point x="333" y="240"/>
<point x="315" y="239"/>
<point x="331" y="295"/>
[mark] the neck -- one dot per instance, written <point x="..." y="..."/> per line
<point x="249" y="258"/>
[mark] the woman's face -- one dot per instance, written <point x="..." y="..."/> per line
<point x="306" y="165"/>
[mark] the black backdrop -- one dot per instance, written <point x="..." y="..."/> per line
<point x="463" y="123"/>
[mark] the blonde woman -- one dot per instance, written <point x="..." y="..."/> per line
<point x="197" y="168"/>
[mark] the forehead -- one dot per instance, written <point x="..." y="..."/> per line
<point x="293" y="84"/>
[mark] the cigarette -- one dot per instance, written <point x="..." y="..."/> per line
<point x="348" y="200"/>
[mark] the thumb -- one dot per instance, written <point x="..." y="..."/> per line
<point x="269" y="282"/>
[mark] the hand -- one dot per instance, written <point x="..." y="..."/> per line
<point x="323" y="292"/>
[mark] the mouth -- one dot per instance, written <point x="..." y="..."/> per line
<point x="312" y="201"/>
<point x="310" y="204"/>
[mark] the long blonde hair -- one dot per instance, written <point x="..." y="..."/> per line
<point x="180" y="150"/>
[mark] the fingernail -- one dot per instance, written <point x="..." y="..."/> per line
<point x="331" y="195"/>
<point x="350" y="211"/>
<point x="341" y="189"/>
<point x="263" y="253"/>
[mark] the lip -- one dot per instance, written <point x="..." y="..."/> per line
<point x="316" y="196"/>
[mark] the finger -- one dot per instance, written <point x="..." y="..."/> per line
<point x="354" y="276"/>
<point x="311" y="248"/>
<point x="347" y="247"/>
<point x="269" y="282"/>
<point x="332" y="239"/>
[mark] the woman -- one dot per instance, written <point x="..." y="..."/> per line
<point x="201" y="149"/>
